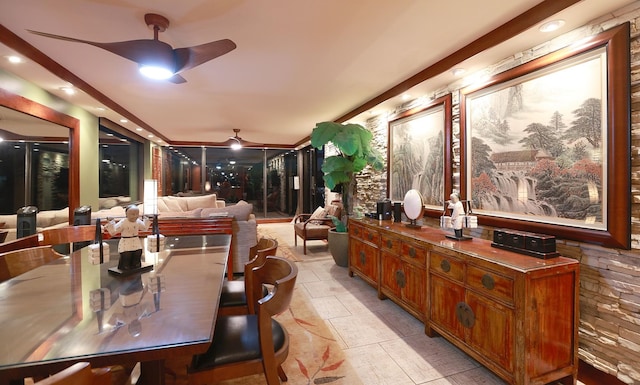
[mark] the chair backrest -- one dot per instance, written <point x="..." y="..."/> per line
<point x="14" y="263"/>
<point x="67" y="234"/>
<point x="264" y="248"/>
<point x="279" y="273"/>
<point x="79" y="374"/>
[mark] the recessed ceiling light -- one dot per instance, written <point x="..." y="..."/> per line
<point x="15" y="59"/>
<point x="406" y="96"/>
<point x="138" y="129"/>
<point x="101" y="109"/>
<point x="551" y="26"/>
<point x="124" y="121"/>
<point x="150" y="136"/>
<point x="68" y="90"/>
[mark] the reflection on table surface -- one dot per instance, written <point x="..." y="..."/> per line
<point x="71" y="309"/>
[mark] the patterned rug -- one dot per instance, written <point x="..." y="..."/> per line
<point x="283" y="247"/>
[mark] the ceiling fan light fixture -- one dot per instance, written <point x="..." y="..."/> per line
<point x="236" y="145"/>
<point x="154" y="71"/>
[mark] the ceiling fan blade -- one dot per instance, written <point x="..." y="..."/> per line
<point x="177" y="79"/>
<point x="135" y="50"/>
<point x="190" y="57"/>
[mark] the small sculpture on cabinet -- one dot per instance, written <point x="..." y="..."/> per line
<point x="458" y="218"/>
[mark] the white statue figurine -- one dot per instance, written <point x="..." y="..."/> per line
<point x="129" y="246"/>
<point x="457" y="213"/>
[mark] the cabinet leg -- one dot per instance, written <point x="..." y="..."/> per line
<point x="428" y="331"/>
<point x="350" y="273"/>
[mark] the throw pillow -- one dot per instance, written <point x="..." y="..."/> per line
<point x="172" y="204"/>
<point x="319" y="213"/>
<point x="203" y="201"/>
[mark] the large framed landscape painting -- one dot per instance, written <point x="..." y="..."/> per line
<point x="546" y="144"/>
<point x="418" y="156"/>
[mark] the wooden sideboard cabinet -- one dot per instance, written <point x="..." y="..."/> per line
<point x="515" y="314"/>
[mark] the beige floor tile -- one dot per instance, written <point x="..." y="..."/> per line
<point x="363" y="329"/>
<point x="374" y="367"/>
<point x="329" y="307"/>
<point x="425" y="359"/>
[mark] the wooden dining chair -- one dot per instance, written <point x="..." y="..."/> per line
<point x="79" y="373"/>
<point x="251" y="343"/>
<point x="233" y="298"/>
<point x="14" y="263"/>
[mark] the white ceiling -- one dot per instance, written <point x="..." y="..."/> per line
<point x="297" y="62"/>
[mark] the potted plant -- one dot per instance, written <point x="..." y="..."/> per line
<point x="338" y="240"/>
<point x="355" y="151"/>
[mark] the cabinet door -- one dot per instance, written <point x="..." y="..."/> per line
<point x="392" y="276"/>
<point x="414" y="292"/>
<point x="364" y="258"/>
<point x="493" y="330"/>
<point x="445" y="297"/>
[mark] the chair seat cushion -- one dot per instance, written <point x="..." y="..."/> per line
<point x="236" y="339"/>
<point x="312" y="231"/>
<point x="233" y="294"/>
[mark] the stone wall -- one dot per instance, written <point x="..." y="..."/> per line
<point x="609" y="332"/>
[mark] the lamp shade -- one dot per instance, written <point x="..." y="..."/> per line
<point x="150" y="197"/>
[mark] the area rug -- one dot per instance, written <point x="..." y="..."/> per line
<point x="283" y="247"/>
<point x="314" y="355"/>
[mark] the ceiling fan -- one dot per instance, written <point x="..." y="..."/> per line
<point x="236" y="142"/>
<point x="158" y="57"/>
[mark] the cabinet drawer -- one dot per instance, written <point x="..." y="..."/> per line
<point x="390" y="244"/>
<point x="444" y="264"/>
<point x="414" y="253"/>
<point x="369" y="235"/>
<point x="490" y="283"/>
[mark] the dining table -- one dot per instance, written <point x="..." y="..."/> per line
<point x="76" y="309"/>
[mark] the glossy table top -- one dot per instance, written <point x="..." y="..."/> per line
<point x="71" y="310"/>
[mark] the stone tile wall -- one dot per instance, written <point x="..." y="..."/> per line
<point x="609" y="278"/>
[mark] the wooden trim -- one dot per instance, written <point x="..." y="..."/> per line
<point x="27" y="106"/>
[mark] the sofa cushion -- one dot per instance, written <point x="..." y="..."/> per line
<point x="162" y="206"/>
<point x="241" y="211"/>
<point x="203" y="201"/>
<point x="173" y="204"/>
<point x="48" y="218"/>
<point x="10" y="221"/>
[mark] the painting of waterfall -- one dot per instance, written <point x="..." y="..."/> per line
<point x="417" y="153"/>
<point x="537" y="144"/>
<point x="546" y="146"/>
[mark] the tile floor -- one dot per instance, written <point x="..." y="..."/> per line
<point x="384" y="344"/>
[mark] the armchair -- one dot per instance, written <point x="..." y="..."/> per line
<point x="316" y="226"/>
